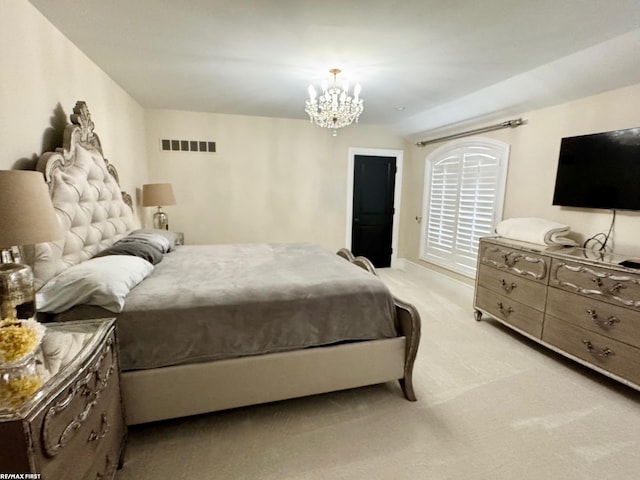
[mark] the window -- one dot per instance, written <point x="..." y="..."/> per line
<point x="463" y="197"/>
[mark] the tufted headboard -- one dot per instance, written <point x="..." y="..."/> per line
<point x="92" y="211"/>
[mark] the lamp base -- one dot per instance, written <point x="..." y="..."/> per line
<point x="10" y="255"/>
<point x="17" y="297"/>
<point x="160" y="220"/>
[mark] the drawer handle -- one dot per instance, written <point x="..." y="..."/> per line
<point x="509" y="260"/>
<point x="609" y="322"/>
<point x="503" y="310"/>
<point x="506" y="287"/>
<point x="104" y="429"/>
<point x="602" y="353"/>
<point x="616" y="288"/>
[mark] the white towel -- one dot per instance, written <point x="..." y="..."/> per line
<point x="535" y="230"/>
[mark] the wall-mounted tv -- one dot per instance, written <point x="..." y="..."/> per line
<point x="601" y="170"/>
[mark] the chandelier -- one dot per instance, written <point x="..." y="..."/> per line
<point x="335" y="108"/>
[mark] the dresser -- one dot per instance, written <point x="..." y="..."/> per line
<point x="578" y="302"/>
<point x="72" y="427"/>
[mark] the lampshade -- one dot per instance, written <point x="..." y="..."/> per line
<point x="26" y="212"/>
<point x="157" y="194"/>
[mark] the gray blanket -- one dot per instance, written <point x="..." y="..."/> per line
<point x="213" y="302"/>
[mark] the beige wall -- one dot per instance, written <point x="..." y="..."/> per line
<point x="270" y="180"/>
<point x="42" y="75"/>
<point x="532" y="169"/>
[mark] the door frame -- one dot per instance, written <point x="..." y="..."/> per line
<point x="397" y="194"/>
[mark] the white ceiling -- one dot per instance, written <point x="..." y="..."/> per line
<point x="444" y="61"/>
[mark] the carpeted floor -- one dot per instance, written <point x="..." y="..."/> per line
<point x="491" y="405"/>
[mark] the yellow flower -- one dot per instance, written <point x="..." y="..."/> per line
<point x="14" y="392"/>
<point x="18" y="338"/>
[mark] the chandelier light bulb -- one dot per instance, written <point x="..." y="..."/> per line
<point x="356" y="92"/>
<point x="334" y="108"/>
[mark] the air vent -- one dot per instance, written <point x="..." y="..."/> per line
<point x="187" y="146"/>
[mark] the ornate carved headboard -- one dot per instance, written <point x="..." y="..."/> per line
<point x="92" y="211"/>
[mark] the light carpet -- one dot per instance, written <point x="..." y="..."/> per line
<point x="491" y="405"/>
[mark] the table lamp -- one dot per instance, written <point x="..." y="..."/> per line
<point x="156" y="195"/>
<point x="26" y="217"/>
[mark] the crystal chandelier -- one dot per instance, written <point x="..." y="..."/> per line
<point x="335" y="108"/>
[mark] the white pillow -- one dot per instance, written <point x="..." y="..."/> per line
<point x="102" y="281"/>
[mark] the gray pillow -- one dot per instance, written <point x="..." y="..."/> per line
<point x="168" y="234"/>
<point x="137" y="249"/>
<point x="163" y="240"/>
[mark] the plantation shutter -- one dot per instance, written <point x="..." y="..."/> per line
<point x="443" y="204"/>
<point x="463" y="202"/>
<point x="477" y="208"/>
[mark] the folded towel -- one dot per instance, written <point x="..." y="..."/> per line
<point x="535" y="230"/>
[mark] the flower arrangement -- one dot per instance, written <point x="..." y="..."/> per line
<point x="19" y="379"/>
<point x="15" y="391"/>
<point x="18" y="339"/>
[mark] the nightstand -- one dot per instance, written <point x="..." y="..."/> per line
<point x="72" y="427"/>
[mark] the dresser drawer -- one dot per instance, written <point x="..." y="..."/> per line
<point x="83" y="422"/>
<point x="518" y="262"/>
<point x="615" y="322"/>
<point x="525" y="291"/>
<point x="514" y="313"/>
<point x="604" y="352"/>
<point x="617" y="287"/>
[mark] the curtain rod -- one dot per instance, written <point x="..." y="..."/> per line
<point x="509" y="123"/>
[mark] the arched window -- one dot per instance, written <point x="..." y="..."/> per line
<point x="463" y="196"/>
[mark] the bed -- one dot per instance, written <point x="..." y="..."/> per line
<point x="210" y="327"/>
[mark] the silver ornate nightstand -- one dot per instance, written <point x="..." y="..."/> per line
<point x="73" y="425"/>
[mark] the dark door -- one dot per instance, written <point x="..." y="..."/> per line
<point x="374" y="180"/>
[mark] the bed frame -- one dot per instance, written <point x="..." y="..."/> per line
<point x="176" y="391"/>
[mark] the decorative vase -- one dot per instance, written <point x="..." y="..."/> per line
<point x="19" y="381"/>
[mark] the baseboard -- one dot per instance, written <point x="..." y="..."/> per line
<point x="425" y="272"/>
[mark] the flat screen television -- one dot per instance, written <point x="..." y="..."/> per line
<point x="601" y="170"/>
